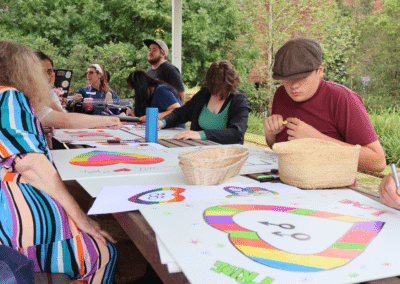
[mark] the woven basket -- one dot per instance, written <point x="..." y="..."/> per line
<point x="213" y="157"/>
<point x="316" y="163"/>
<point x="212" y="176"/>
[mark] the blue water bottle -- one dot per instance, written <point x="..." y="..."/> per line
<point x="152" y="124"/>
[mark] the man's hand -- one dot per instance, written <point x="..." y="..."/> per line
<point x="298" y="129"/>
<point x="142" y="118"/>
<point x="188" y="134"/>
<point x="273" y="124"/>
<point x="78" y="98"/>
<point x="388" y="192"/>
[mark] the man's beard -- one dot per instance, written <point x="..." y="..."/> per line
<point x="155" y="60"/>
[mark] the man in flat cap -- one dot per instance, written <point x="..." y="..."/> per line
<point x="305" y="106"/>
<point x="161" y="68"/>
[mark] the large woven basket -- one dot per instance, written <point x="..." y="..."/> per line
<point x="213" y="157"/>
<point x="316" y="163"/>
<point x="211" y="176"/>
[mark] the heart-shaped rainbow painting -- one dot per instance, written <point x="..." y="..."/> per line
<point x="106" y="158"/>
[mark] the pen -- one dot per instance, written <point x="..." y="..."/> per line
<point x="121" y="141"/>
<point x="395" y="176"/>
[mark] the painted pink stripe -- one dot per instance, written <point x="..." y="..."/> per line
<point x="283" y="209"/>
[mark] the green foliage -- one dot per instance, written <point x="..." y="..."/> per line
<point x="386" y="123"/>
<point x="337" y="48"/>
<point x="255" y="123"/>
<point x="378" y="52"/>
<point x="100" y="29"/>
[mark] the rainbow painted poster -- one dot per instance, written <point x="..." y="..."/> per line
<point x="129" y="197"/>
<point x="81" y="136"/>
<point x="319" y="236"/>
<point x="113" y="161"/>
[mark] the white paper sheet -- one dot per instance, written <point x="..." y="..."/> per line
<point x="93" y="186"/>
<point x="87" y="135"/>
<point x="320" y="236"/>
<point x="114" y="199"/>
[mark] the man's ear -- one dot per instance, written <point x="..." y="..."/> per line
<point x="320" y="71"/>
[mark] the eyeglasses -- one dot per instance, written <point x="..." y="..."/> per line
<point x="50" y="71"/>
<point x="90" y="73"/>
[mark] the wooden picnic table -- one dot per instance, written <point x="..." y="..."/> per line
<point x="143" y="236"/>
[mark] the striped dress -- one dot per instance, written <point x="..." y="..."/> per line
<point x="32" y="222"/>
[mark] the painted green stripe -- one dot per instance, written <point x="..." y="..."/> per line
<point x="348" y="246"/>
<point x="247" y="235"/>
<point x="302" y="211"/>
<point x="218" y="208"/>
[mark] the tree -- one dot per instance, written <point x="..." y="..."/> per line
<point x="277" y="21"/>
<point x="209" y="31"/>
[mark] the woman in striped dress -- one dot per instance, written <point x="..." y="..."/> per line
<point x="38" y="217"/>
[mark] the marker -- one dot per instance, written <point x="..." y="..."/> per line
<point x="122" y="141"/>
<point x="284" y="122"/>
<point x="395" y="176"/>
<point x="267" y="179"/>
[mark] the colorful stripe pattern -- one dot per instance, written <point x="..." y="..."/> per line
<point x="32" y="222"/>
<point x="248" y="242"/>
<point x="256" y="191"/>
<point x="106" y="158"/>
<point x="159" y="194"/>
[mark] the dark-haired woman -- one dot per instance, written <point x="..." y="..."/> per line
<point x="98" y="90"/>
<point x="218" y="112"/>
<point x="151" y="92"/>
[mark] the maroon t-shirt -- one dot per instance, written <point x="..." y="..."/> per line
<point x="334" y="110"/>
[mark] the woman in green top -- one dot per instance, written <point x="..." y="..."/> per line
<point x="218" y="112"/>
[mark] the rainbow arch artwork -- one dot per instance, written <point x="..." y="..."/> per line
<point x="107" y="158"/>
<point x="346" y="248"/>
<point x="256" y="191"/>
<point x="157" y="196"/>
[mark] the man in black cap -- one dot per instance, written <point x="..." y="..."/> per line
<point x="305" y="106"/>
<point x="163" y="69"/>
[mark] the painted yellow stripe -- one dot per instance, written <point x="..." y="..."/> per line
<point x="308" y="260"/>
<point x="350" y="219"/>
<point x="221" y="213"/>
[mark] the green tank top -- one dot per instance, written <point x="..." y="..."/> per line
<point x="210" y="120"/>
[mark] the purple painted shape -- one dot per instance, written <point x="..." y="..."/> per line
<point x="219" y="219"/>
<point x="283" y="209"/>
<point x="368" y="226"/>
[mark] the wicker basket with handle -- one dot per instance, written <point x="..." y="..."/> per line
<point x="316" y="163"/>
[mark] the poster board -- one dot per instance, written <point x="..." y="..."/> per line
<point x="113" y="161"/>
<point x="114" y="199"/>
<point x="320" y="236"/>
<point x="93" y="186"/>
<point x="92" y="134"/>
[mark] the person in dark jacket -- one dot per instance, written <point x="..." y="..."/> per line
<point x="218" y="112"/>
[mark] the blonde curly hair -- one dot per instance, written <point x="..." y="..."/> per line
<point x="21" y="69"/>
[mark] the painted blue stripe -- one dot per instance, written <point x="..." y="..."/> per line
<point x="286" y="265"/>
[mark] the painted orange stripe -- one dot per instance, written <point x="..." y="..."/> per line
<point x="80" y="255"/>
<point x="340" y="253"/>
<point x="251" y="243"/>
